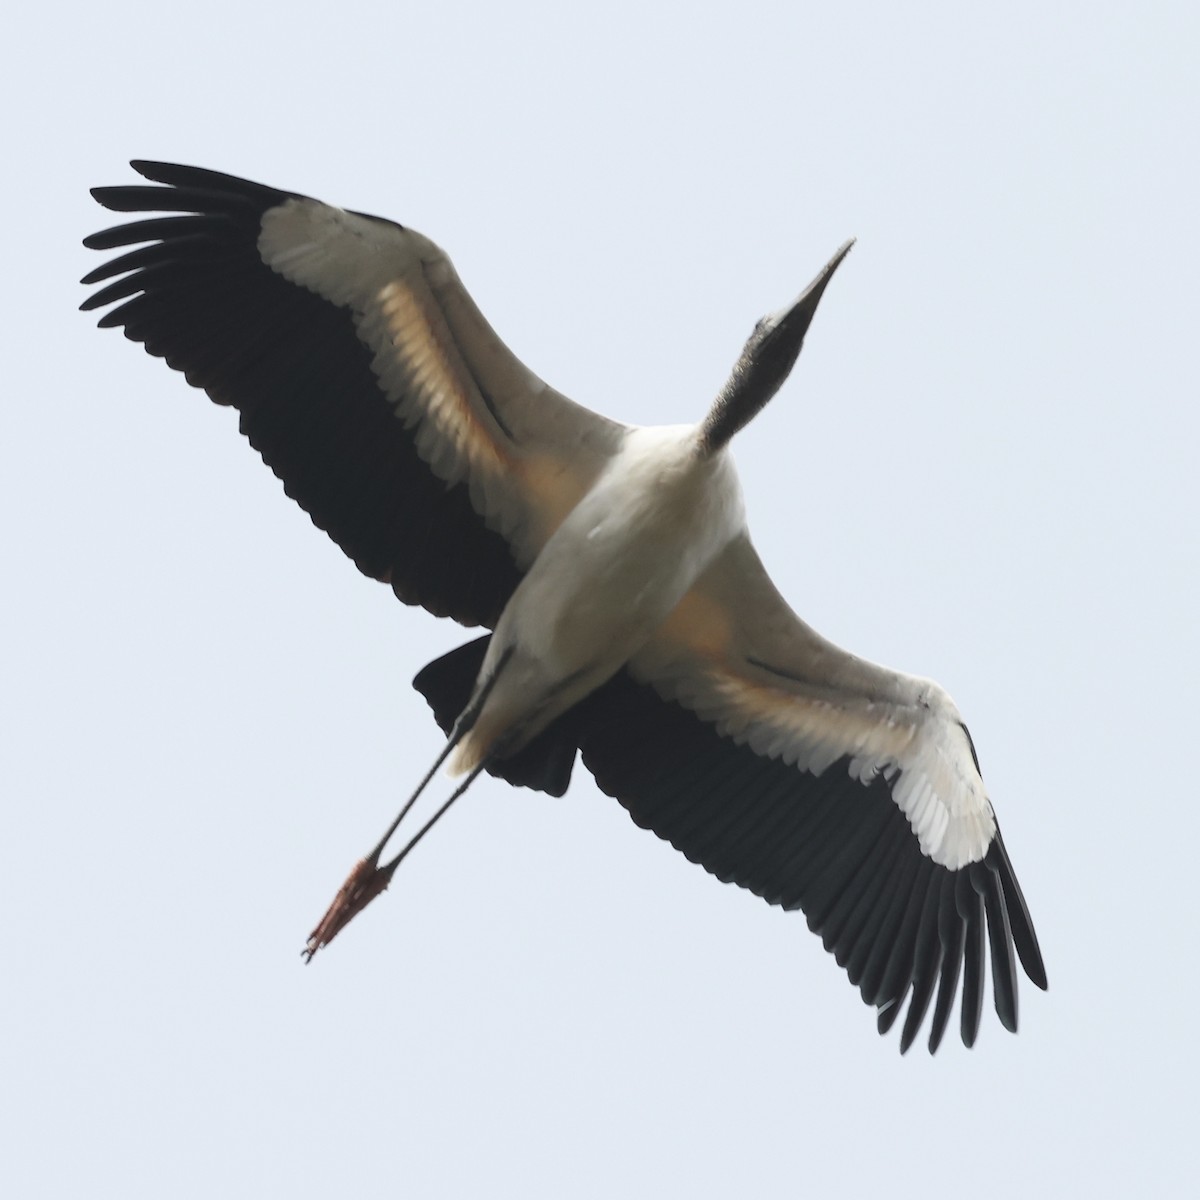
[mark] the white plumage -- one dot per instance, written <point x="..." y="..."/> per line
<point x="633" y="623"/>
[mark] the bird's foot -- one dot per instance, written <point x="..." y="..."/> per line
<point x="362" y="885"/>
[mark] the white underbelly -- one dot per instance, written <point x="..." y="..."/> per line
<point x="603" y="583"/>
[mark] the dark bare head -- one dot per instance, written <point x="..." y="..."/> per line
<point x="769" y="355"/>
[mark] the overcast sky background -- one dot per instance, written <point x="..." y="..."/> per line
<point x="982" y="470"/>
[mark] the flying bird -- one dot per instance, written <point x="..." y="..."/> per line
<point x="632" y="624"/>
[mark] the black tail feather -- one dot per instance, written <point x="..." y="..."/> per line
<point x="446" y="682"/>
<point x="545" y="764"/>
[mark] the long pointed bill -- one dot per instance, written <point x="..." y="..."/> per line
<point x="767" y="359"/>
<point x="789" y="325"/>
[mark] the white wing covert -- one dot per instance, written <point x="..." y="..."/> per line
<point x="364" y="374"/>
<point x="736" y="654"/>
<point x="373" y="387"/>
<point x="822" y="782"/>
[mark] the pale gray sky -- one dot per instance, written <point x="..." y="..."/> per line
<point x="983" y="470"/>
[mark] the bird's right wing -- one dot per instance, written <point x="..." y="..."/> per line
<point x="364" y="374"/>
<point x="822" y="782"/>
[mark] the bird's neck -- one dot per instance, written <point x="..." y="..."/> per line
<point x="743" y="397"/>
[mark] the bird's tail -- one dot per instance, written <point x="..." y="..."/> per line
<point x="544" y="764"/>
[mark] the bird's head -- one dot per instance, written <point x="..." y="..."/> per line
<point x="766" y="361"/>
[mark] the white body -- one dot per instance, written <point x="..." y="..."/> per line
<point x="605" y="582"/>
<point x="373" y="386"/>
<point x="635" y="547"/>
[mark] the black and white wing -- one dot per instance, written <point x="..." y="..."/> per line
<point x="364" y="374"/>
<point x="822" y="782"/>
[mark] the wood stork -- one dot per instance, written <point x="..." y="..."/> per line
<point x="632" y="622"/>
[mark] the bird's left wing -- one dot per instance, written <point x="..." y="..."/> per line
<point x="364" y="374"/>
<point x="822" y="782"/>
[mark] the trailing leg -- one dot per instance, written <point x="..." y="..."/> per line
<point x="368" y="879"/>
